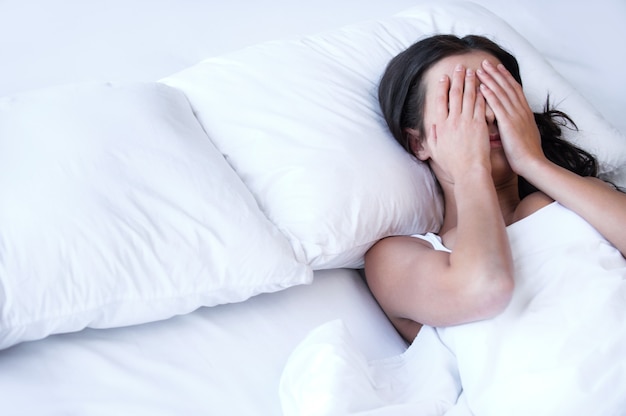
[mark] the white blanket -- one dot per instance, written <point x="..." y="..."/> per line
<point x="558" y="349"/>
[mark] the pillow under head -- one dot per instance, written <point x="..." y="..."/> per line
<point x="299" y="121"/>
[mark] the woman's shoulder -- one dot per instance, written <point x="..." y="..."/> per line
<point x="531" y="204"/>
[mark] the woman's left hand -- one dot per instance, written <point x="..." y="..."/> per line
<point x="598" y="203"/>
<point x="516" y="122"/>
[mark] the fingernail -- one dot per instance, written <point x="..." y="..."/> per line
<point x="469" y="72"/>
<point x="487" y="63"/>
<point x="459" y="67"/>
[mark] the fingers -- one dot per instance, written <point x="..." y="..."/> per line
<point x="441" y="98"/>
<point x="458" y="94"/>
<point x="456" y="90"/>
<point x="469" y="92"/>
<point x="480" y="107"/>
<point x="501" y="90"/>
<point x="433" y="132"/>
<point x="474" y="105"/>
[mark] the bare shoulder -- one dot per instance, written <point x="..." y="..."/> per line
<point x="397" y="256"/>
<point x="531" y="204"/>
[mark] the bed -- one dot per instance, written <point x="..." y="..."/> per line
<point x="189" y="189"/>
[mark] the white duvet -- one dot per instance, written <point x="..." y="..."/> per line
<point x="558" y="349"/>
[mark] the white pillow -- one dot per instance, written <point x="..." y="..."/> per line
<point x="299" y="121"/>
<point x="117" y="209"/>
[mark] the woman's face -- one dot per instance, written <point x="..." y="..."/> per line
<point x="446" y="66"/>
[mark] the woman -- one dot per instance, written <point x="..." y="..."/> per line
<point x="458" y="105"/>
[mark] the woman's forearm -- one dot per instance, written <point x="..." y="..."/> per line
<point x="482" y="248"/>
<point x="598" y="203"/>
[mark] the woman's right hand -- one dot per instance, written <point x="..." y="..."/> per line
<point x="459" y="139"/>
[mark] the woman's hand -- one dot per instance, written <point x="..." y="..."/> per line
<point x="412" y="281"/>
<point x="516" y="122"/>
<point x="599" y="204"/>
<point x="459" y="139"/>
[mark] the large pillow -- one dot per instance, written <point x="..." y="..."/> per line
<point x="299" y="121"/>
<point x="117" y="209"/>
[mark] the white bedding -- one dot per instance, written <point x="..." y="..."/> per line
<point x="558" y="348"/>
<point x="222" y="360"/>
<point x="229" y="359"/>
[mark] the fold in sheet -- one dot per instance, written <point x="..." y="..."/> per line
<point x="558" y="349"/>
<point x="329" y="375"/>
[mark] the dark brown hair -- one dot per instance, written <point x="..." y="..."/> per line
<point x="401" y="96"/>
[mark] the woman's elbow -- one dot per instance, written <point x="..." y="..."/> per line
<point x="502" y="295"/>
<point x="489" y="298"/>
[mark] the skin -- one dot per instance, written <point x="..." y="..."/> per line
<point x="480" y="135"/>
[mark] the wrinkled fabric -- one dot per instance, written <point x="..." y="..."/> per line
<point x="559" y="348"/>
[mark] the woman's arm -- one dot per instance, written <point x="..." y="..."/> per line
<point x="598" y="203"/>
<point x="415" y="283"/>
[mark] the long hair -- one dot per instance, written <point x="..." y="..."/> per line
<point x="401" y="95"/>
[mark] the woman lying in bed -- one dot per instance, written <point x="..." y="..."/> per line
<point x="457" y="104"/>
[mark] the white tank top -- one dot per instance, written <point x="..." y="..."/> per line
<point x="434" y="240"/>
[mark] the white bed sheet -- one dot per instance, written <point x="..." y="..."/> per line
<point x="228" y="359"/>
<point x="556" y="350"/>
<point x="222" y="360"/>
